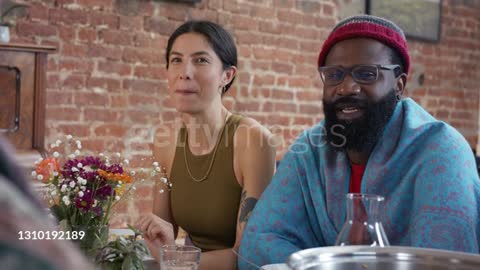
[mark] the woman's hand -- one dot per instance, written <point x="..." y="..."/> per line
<point x="156" y="232"/>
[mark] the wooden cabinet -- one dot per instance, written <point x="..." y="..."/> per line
<point x="22" y="98"/>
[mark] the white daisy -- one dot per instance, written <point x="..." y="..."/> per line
<point x="66" y="200"/>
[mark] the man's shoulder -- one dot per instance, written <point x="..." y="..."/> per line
<point x="421" y="123"/>
<point x="438" y="136"/>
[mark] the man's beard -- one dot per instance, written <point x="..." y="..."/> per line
<point x="360" y="134"/>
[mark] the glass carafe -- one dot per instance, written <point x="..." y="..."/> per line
<point x="363" y="226"/>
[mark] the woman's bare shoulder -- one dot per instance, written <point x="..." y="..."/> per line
<point x="255" y="155"/>
<point x="251" y="131"/>
<point x="248" y="124"/>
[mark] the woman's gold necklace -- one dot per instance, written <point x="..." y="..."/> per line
<point x="212" y="159"/>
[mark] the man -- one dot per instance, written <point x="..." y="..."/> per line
<point x="372" y="141"/>
<point x="23" y="216"/>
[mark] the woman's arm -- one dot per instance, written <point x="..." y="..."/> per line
<point x="164" y="146"/>
<point x="254" y="164"/>
<point x="159" y="227"/>
<point x="256" y="160"/>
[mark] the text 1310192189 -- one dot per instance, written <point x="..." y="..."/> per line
<point x="50" y="235"/>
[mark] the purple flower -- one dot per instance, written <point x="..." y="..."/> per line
<point x="67" y="168"/>
<point x="88" y="170"/>
<point x="97" y="210"/>
<point x="104" y="192"/>
<point x="94" y="162"/>
<point x="85" y="202"/>
<point x="115" y="168"/>
<point x="90" y="176"/>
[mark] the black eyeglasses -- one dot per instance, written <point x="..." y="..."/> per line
<point x="362" y="74"/>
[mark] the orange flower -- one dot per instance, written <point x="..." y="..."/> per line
<point x="125" y="178"/>
<point x="46" y="168"/>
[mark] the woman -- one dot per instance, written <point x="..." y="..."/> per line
<point x="218" y="163"/>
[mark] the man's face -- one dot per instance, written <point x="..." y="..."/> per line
<point x="357" y="113"/>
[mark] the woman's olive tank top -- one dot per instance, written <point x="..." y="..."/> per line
<point x="207" y="210"/>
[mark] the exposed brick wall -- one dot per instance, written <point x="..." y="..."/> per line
<point x="451" y="69"/>
<point x="106" y="83"/>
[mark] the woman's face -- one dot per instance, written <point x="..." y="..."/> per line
<point x="195" y="74"/>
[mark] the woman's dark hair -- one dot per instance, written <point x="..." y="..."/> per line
<point x="220" y="40"/>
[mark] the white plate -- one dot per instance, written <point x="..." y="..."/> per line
<point x="121" y="232"/>
<point x="277" y="266"/>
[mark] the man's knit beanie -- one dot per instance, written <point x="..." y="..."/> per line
<point x="368" y="26"/>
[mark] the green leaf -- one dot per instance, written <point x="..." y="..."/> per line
<point x="127" y="263"/>
<point x="137" y="264"/>
<point x="65" y="225"/>
<point x="59" y="212"/>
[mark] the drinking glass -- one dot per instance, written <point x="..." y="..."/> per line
<point x="363" y="226"/>
<point x="179" y="257"/>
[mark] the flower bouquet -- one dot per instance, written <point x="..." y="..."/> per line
<point x="83" y="190"/>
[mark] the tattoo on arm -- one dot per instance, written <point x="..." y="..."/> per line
<point x="247" y="205"/>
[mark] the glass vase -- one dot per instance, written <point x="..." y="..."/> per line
<point x="362" y="225"/>
<point x="94" y="238"/>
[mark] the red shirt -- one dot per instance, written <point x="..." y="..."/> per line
<point x="356" y="178"/>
